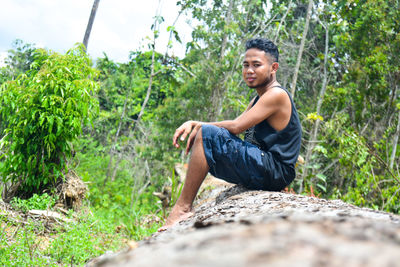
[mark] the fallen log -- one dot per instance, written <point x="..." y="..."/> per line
<point x="239" y="227"/>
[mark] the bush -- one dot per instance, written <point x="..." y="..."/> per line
<point x="42" y="112"/>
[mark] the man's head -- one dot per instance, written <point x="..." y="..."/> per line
<point x="260" y="63"/>
<point x="265" y="45"/>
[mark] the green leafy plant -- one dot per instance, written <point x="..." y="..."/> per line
<point x="38" y="202"/>
<point x="44" y="110"/>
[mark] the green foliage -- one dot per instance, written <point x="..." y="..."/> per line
<point x="84" y="240"/>
<point x="19" y="245"/>
<point x="361" y="176"/>
<point x="129" y="82"/>
<point x="127" y="200"/>
<point x="73" y="243"/>
<point x="44" y="111"/>
<point x="367" y="50"/>
<point x="18" y="60"/>
<point x="38" y="202"/>
<point x="214" y="90"/>
<point x="358" y="133"/>
<point x="123" y="162"/>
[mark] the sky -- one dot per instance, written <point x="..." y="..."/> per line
<point x="120" y="26"/>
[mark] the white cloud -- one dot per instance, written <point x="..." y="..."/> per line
<point x="120" y="26"/>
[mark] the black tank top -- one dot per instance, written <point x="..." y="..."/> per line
<point x="284" y="145"/>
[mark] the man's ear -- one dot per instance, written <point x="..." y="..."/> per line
<point x="274" y="67"/>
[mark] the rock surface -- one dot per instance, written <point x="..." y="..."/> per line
<point x="237" y="227"/>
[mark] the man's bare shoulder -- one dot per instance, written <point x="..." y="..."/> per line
<point x="250" y="104"/>
<point x="275" y="95"/>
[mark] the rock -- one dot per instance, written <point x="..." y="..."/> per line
<point x="257" y="228"/>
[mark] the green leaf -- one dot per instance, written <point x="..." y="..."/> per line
<point x="323" y="188"/>
<point x="321" y="177"/>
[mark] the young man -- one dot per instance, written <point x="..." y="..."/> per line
<point x="266" y="159"/>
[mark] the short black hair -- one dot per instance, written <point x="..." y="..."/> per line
<point x="265" y="45"/>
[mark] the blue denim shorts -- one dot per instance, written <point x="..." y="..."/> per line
<point x="239" y="162"/>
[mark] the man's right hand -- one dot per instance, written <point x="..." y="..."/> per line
<point x="183" y="131"/>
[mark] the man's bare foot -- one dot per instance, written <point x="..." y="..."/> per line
<point x="177" y="215"/>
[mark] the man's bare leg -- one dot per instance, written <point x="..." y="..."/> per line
<point x="197" y="171"/>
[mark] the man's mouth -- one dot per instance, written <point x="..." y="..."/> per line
<point x="250" y="79"/>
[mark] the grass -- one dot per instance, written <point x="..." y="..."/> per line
<point x="84" y="239"/>
<point x="20" y="245"/>
<point x="112" y="214"/>
<point x="27" y="243"/>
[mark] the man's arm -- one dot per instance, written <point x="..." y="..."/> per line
<point x="187" y="127"/>
<point x="269" y="103"/>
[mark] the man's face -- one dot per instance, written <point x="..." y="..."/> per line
<point x="258" y="68"/>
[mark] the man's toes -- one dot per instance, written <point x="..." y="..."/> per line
<point x="162" y="229"/>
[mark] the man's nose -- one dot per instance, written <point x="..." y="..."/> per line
<point x="250" y="69"/>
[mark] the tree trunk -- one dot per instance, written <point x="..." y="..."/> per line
<point x="281" y="21"/>
<point x="110" y="167"/>
<point x="313" y="137"/>
<point x="148" y="88"/>
<point x="219" y="90"/>
<point x="114" y="173"/>
<point x="112" y="150"/>
<point x="303" y="40"/>
<point x="395" y="141"/>
<point x="90" y="23"/>
<point x="227" y="22"/>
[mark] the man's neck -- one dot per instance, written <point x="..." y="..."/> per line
<point x="261" y="90"/>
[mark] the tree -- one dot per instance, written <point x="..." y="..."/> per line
<point x="301" y="48"/>
<point x="90" y="23"/>
<point x="317" y="118"/>
<point x="214" y="55"/>
<point x="18" y="60"/>
<point x="44" y="111"/>
<point x="357" y="137"/>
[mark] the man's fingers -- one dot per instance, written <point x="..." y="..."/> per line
<point x="185" y="133"/>
<point x="190" y="141"/>
<point x="178" y="132"/>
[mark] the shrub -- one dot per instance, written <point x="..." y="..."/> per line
<point x="42" y="111"/>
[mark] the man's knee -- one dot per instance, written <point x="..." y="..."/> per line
<point x="208" y="130"/>
<point x="199" y="135"/>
